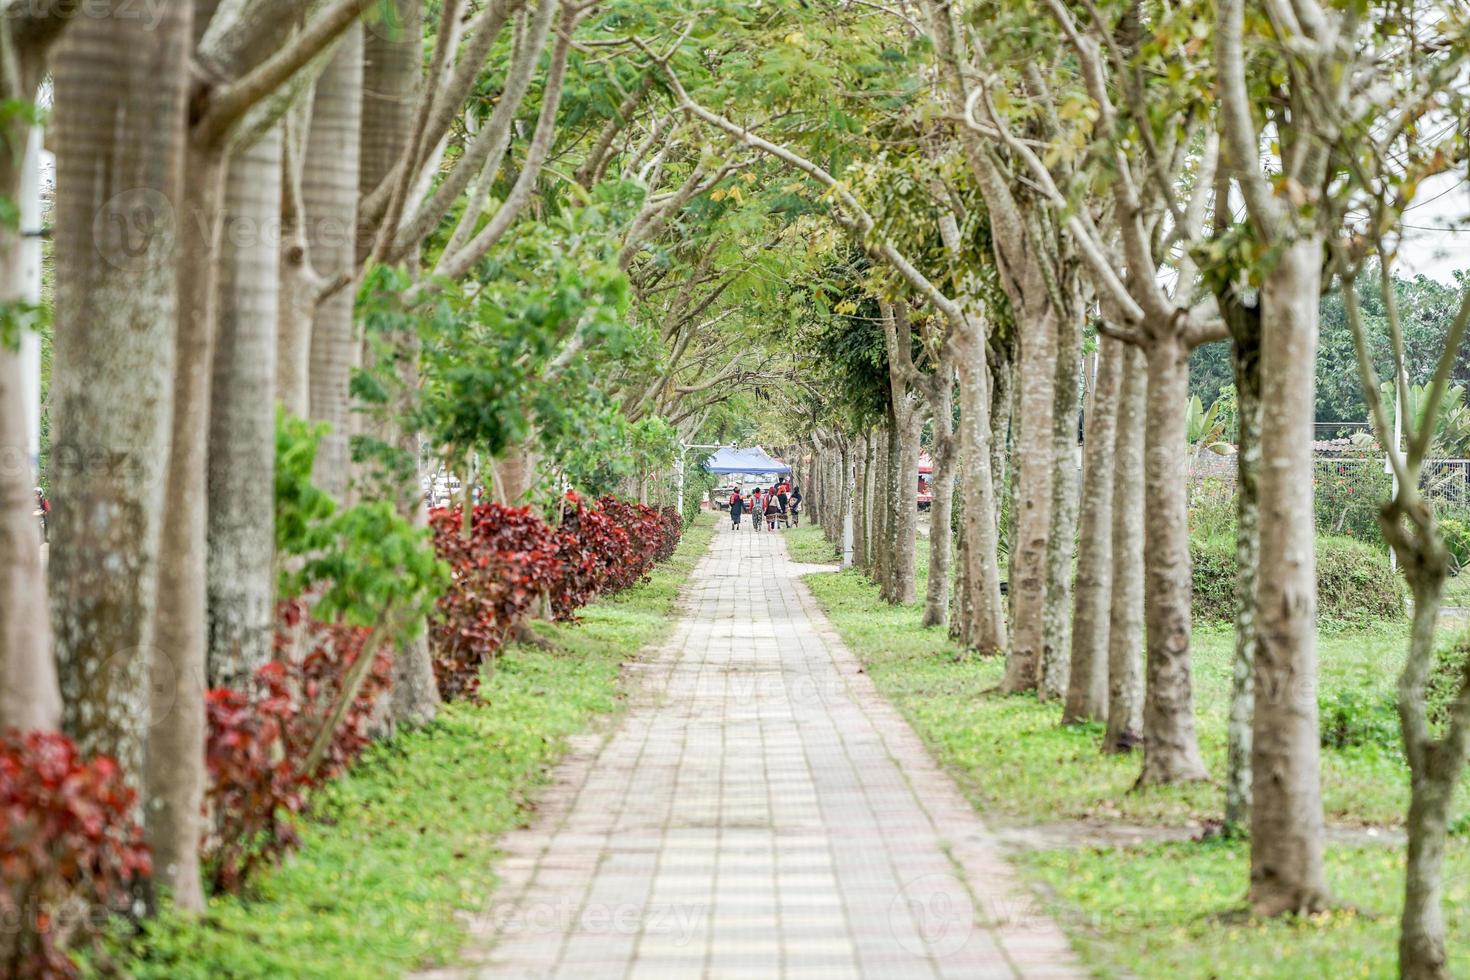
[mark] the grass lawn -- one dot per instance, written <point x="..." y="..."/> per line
<point x="405" y="841"/>
<point x="1160" y="909"/>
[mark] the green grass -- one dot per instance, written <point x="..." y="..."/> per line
<point x="1160" y="910"/>
<point x="405" y="841"/>
<point x="1174" y="911"/>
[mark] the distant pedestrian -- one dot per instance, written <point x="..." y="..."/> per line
<point x="773" y="509"/>
<point x="795" y="506"/>
<point x="737" y="508"/>
<point x="757" y="507"/>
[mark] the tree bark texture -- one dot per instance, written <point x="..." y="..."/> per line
<point x="1035" y="472"/>
<point x="1125" y="614"/>
<point x="1061" y="544"/>
<point x="242" y="449"/>
<point x="1087" y="688"/>
<point x="118" y="197"/>
<point x="329" y="194"/>
<point x="985" y="625"/>
<point x="1286" y="813"/>
<point x="941" y="507"/>
<point x="1246" y="366"/>
<point x="1170" y="746"/>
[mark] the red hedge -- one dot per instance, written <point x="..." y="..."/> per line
<point x="512" y="560"/>
<point x="259" y="742"/>
<point x="70" y="835"/>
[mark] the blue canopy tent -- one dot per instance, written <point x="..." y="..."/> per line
<point x="752" y="460"/>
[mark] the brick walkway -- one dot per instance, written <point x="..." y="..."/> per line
<point x="759" y="812"/>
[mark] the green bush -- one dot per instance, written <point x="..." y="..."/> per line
<point x="1351" y="717"/>
<point x="1354" y="581"/>
<point x="1456" y="531"/>
<point x="1446" y="678"/>
<point x="1347" y="498"/>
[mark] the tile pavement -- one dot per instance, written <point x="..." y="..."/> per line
<point x="760" y="811"/>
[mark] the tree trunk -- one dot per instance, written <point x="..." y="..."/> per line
<point x="329" y="193"/>
<point x="902" y="587"/>
<point x="1002" y="403"/>
<point x="1035" y="472"/>
<point x="1087" y="688"/>
<point x="117" y="307"/>
<point x="883" y="504"/>
<point x="241" y="571"/>
<point x="861" y="459"/>
<point x="985" y="624"/>
<point x="1246" y="367"/>
<point x="941" y="509"/>
<point x="175" y="752"/>
<point x="871" y="471"/>
<point x="1170" y="747"/>
<point x="1286" y="813"/>
<point x="299" y="283"/>
<point x="1057" y="616"/>
<point x="1125" y="615"/>
<point x="29" y="698"/>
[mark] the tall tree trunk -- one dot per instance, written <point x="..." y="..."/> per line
<point x="1170" y="747"/>
<point x="903" y="581"/>
<point x="985" y="619"/>
<point x="1035" y="472"/>
<point x="241" y="560"/>
<point x="941" y="508"/>
<point x="1002" y="402"/>
<point x="299" y="283"/>
<point x="861" y="456"/>
<point x="1245" y="359"/>
<point x="1057" y="616"/>
<point x="871" y="472"/>
<point x="1125" y="615"/>
<point x="329" y="193"/>
<point x="112" y="394"/>
<point x="175" y="751"/>
<point x="883" y="503"/>
<point x="1286" y="813"/>
<point x="29" y="698"/>
<point x="1087" y="688"/>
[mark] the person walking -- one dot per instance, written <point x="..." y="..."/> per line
<point x="757" y="507"/>
<point x="737" y="508"/>
<point x="773" y="509"/>
<point x="783" y="497"/>
<point x="795" y="506"/>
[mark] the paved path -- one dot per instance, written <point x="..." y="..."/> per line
<point x="759" y="812"/>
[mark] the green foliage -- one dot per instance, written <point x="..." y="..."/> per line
<point x="1351" y="718"/>
<point x="1347" y="497"/>
<point x="363" y="561"/>
<point x="1354" y="581"/>
<point x="1456" y="533"/>
<point x="1426" y="307"/>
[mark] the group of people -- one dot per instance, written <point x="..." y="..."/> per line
<point x="768" y="507"/>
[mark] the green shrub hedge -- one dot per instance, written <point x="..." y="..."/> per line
<point x="1354" y="581"/>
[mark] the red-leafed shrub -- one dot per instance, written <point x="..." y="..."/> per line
<point x="498" y="574"/>
<point x="70" y="845"/>
<point x="260" y="742"/>
<point x="512" y="559"/>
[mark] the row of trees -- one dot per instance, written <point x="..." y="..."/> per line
<point x="459" y="239"/>
<point x="1169" y="177"/>
<point x="537" y="243"/>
